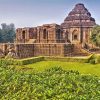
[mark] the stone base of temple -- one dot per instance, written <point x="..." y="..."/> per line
<point x="25" y="50"/>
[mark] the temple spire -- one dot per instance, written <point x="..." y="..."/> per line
<point x="73" y="18"/>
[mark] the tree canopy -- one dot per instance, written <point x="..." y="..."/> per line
<point x="7" y="33"/>
<point x="95" y="35"/>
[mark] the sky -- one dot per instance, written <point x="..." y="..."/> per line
<point x="32" y="13"/>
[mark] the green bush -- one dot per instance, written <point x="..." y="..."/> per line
<point x="51" y="84"/>
<point x="5" y="62"/>
<point x="98" y="58"/>
<point x="94" y="59"/>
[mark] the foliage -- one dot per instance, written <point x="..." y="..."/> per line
<point x="69" y="59"/>
<point x="95" y="35"/>
<point x="11" y="61"/>
<point x="94" y="59"/>
<point x="7" y="33"/>
<point x="51" y="84"/>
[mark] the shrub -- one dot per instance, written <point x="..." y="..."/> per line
<point x="5" y="62"/>
<point x="94" y="59"/>
<point x="98" y="58"/>
<point x="52" y="84"/>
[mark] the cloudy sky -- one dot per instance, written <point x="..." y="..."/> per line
<point x="29" y="13"/>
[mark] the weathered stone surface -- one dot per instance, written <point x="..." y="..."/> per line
<point x="47" y="33"/>
<point x="23" y="50"/>
<point x="79" y="16"/>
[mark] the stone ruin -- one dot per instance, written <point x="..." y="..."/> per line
<point x="52" y="39"/>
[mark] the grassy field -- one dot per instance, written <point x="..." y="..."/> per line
<point x="83" y="68"/>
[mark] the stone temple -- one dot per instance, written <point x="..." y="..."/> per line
<point x="66" y="39"/>
<point x="77" y="25"/>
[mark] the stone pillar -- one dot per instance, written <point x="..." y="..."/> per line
<point x="71" y="36"/>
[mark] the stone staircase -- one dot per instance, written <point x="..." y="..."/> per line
<point x="79" y="51"/>
<point x="32" y="41"/>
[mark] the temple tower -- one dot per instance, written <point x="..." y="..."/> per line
<point x="78" y="24"/>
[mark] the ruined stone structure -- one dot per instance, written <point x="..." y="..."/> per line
<point x="48" y="33"/>
<point x="78" y="24"/>
<point x="75" y="29"/>
<point x="53" y="39"/>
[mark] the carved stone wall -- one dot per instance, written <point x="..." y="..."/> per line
<point x="37" y="49"/>
<point x="24" y="50"/>
<point x="45" y="49"/>
<point x="49" y="49"/>
<point x="47" y="33"/>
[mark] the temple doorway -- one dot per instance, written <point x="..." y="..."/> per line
<point x="23" y="36"/>
<point x="75" y="36"/>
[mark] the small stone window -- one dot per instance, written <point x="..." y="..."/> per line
<point x="75" y="37"/>
<point x="45" y="34"/>
<point x="58" y="33"/>
<point x="23" y="35"/>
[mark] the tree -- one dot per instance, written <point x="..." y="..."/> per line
<point x="95" y="35"/>
<point x="7" y="33"/>
<point x="4" y="26"/>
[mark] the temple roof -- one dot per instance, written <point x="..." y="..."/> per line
<point x="79" y="16"/>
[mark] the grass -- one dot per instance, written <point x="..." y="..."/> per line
<point x="83" y="68"/>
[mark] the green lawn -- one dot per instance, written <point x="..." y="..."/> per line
<point x="83" y="68"/>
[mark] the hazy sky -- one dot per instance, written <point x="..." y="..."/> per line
<point x="30" y="13"/>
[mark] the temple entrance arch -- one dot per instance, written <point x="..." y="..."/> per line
<point x="75" y="36"/>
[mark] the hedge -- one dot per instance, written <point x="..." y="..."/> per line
<point x="69" y="59"/>
<point x="89" y="59"/>
<point x="22" y="61"/>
